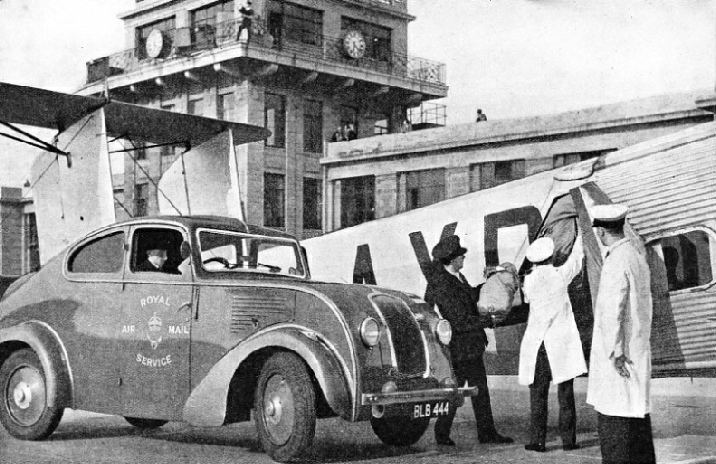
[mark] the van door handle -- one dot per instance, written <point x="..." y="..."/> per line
<point x="186" y="305"/>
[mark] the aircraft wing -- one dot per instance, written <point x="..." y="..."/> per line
<point x="55" y="110"/>
<point x="75" y="196"/>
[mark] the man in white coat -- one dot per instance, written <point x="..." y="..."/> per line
<point x="551" y="349"/>
<point x="620" y="362"/>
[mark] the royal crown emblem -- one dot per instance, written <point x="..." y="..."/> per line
<point x="155" y="328"/>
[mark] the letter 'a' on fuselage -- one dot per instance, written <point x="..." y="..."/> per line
<point x="74" y="196"/>
<point x="667" y="183"/>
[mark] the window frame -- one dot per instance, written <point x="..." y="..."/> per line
<point x="366" y="194"/>
<point x="478" y="172"/>
<point x="316" y="203"/>
<point x="194" y="102"/>
<point x="141" y="33"/>
<point x="204" y="23"/>
<point x="131" y="275"/>
<point x="419" y="178"/>
<point x="295" y="23"/>
<point x="248" y="272"/>
<point x="96" y="276"/>
<point x="136" y="209"/>
<point x="378" y="38"/>
<point x="272" y="140"/>
<point x="224" y="112"/>
<point x="313" y="144"/>
<point x="283" y="206"/>
<point x="379" y="128"/>
<point x="676" y="232"/>
<point x="31" y="243"/>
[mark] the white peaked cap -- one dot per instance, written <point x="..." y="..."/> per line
<point x="608" y="214"/>
<point x="540" y="250"/>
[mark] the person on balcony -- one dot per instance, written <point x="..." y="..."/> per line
<point x="338" y="135"/>
<point x="350" y="131"/>
<point x="247" y="14"/>
<point x="480" y="116"/>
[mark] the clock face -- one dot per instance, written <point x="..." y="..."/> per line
<point x="155" y="43"/>
<point x="354" y="44"/>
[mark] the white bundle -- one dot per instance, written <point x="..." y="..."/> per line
<point x="501" y="290"/>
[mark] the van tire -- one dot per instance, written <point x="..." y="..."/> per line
<point x="399" y="431"/>
<point x="23" y="398"/>
<point x="285" y="406"/>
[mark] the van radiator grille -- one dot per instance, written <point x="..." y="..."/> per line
<point x="408" y="343"/>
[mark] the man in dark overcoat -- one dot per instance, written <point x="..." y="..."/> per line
<point x="457" y="300"/>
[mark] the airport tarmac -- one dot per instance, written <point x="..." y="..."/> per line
<point x="683" y="417"/>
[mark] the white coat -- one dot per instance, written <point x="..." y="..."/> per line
<point x="551" y="321"/>
<point x="622" y="325"/>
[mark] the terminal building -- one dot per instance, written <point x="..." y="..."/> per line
<point x="378" y="177"/>
<point x="303" y="69"/>
<point x="308" y="69"/>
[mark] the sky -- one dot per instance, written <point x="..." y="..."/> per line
<point x="527" y="57"/>
<point x="511" y="58"/>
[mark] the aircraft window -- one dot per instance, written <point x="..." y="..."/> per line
<point x="687" y="258"/>
<point x="103" y="255"/>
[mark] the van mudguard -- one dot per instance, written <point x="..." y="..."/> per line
<point x="207" y="404"/>
<point x="46" y="343"/>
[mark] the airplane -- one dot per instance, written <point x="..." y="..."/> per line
<point x="669" y="184"/>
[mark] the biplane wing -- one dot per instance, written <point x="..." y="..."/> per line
<point x="75" y="196"/>
<point x="32" y="106"/>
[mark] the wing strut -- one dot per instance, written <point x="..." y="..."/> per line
<point x="34" y="141"/>
<point x="186" y="143"/>
<point x="138" y="165"/>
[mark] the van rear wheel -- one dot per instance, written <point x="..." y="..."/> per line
<point x="399" y="431"/>
<point x="23" y="391"/>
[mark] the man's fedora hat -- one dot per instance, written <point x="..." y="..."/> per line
<point x="448" y="248"/>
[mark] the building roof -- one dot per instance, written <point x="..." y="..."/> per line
<point x="658" y="109"/>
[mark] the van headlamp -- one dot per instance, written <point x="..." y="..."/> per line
<point x="370" y="332"/>
<point x="443" y="330"/>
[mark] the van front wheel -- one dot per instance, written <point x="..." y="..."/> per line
<point x="24" y="411"/>
<point x="285" y="406"/>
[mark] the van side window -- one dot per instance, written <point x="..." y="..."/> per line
<point x="149" y="241"/>
<point x="687" y="258"/>
<point x="104" y="255"/>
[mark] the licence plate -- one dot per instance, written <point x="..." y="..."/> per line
<point x="441" y="408"/>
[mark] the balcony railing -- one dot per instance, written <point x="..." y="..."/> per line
<point x="428" y="114"/>
<point x="298" y="44"/>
